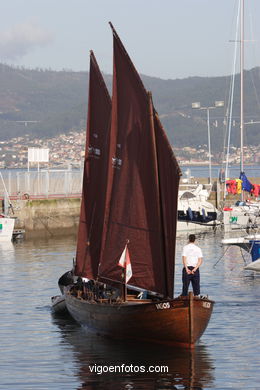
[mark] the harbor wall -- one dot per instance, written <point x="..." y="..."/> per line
<point x="55" y="216"/>
<point x="47" y="217"/>
<point x="41" y="184"/>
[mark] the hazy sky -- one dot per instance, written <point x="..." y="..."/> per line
<point x="165" y="38"/>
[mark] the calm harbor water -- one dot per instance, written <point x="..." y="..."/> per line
<point x="41" y="351"/>
<point x="234" y="170"/>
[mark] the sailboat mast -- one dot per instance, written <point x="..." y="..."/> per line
<point x="242" y="85"/>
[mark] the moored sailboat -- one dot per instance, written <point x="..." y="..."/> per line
<point x="6" y="221"/>
<point x="128" y="218"/>
<point x="245" y="214"/>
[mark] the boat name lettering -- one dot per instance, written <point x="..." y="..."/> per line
<point x="206" y="304"/>
<point x="163" y="305"/>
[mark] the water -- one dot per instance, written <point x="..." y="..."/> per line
<point x="234" y="170"/>
<point x="41" y="351"/>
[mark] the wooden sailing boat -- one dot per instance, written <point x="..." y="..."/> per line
<point x="129" y="203"/>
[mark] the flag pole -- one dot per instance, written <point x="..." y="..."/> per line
<point x="124" y="263"/>
<point x="125" y="286"/>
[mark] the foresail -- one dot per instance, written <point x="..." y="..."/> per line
<point x="169" y="177"/>
<point x="95" y="175"/>
<point x="133" y="202"/>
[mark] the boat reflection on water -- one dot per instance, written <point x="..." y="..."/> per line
<point x="187" y="369"/>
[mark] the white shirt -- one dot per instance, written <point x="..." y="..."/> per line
<point x="192" y="253"/>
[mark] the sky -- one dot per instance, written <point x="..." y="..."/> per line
<point x="169" y="39"/>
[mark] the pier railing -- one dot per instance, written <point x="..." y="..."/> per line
<point x="41" y="184"/>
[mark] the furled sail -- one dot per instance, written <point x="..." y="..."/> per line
<point x="136" y="208"/>
<point x="95" y="174"/>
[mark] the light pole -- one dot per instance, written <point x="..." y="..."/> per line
<point x="196" y="105"/>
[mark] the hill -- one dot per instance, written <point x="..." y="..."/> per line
<point x="45" y="103"/>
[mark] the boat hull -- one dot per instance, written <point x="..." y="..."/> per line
<point x="187" y="226"/>
<point x="253" y="266"/>
<point x="59" y="304"/>
<point x="6" y="229"/>
<point x="240" y="218"/>
<point x="180" y="321"/>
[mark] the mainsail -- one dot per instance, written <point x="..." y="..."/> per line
<point x="141" y="168"/>
<point x="95" y="175"/>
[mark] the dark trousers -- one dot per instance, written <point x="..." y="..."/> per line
<point x="193" y="278"/>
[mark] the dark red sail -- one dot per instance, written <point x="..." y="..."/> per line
<point x="169" y="176"/>
<point x="95" y="175"/>
<point x="134" y="209"/>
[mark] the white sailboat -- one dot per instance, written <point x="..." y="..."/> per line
<point x="6" y="221"/>
<point x="245" y="214"/>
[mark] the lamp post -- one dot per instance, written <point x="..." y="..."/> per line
<point x="196" y="105"/>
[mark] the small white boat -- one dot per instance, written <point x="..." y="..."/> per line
<point x="195" y="213"/>
<point x="6" y="228"/>
<point x="6" y="222"/>
<point x="59" y="304"/>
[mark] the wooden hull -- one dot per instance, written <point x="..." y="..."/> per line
<point x="180" y="321"/>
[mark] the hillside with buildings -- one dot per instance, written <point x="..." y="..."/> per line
<point x="68" y="150"/>
<point x="40" y="106"/>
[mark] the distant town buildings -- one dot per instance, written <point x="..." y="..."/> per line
<point x="69" y="149"/>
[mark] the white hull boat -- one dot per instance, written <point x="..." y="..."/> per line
<point x="195" y="213"/>
<point x="244" y="216"/>
<point x="190" y="226"/>
<point x="6" y="228"/>
<point x="254" y="266"/>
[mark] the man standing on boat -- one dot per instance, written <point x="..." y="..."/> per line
<point x="192" y="260"/>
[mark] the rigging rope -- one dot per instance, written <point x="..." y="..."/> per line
<point x="221" y="257"/>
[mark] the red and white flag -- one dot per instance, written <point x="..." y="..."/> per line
<point x="124" y="262"/>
